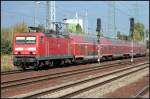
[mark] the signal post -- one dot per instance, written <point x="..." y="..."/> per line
<point x="98" y="29"/>
<point x="131" y="31"/>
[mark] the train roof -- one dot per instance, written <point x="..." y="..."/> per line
<point x="28" y="33"/>
<point x="82" y="38"/>
<point x="103" y="40"/>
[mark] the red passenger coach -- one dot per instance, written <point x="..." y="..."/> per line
<point x="40" y="49"/>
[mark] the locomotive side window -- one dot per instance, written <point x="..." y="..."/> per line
<point x="41" y="39"/>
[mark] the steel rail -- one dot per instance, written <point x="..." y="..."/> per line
<point x="141" y="92"/>
<point x="72" y="84"/>
<point x="25" y="81"/>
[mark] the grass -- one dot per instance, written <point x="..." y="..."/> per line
<point x="6" y="63"/>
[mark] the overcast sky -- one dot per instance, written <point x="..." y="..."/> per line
<point x="16" y="11"/>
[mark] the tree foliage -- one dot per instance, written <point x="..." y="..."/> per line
<point x="138" y="34"/>
<point x="7" y="36"/>
<point x="20" y="27"/>
<point x="78" y="28"/>
<point x="147" y="37"/>
<point x="147" y="33"/>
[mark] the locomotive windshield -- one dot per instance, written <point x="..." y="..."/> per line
<point x="26" y="40"/>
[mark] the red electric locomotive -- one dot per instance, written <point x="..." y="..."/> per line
<point x="37" y="49"/>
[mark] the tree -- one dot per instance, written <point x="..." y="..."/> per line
<point x="6" y="40"/>
<point x="147" y="37"/>
<point x="146" y="33"/>
<point x="138" y="34"/>
<point x="20" y="27"/>
<point x="78" y="28"/>
<point x="7" y="36"/>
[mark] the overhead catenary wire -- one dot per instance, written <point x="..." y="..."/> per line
<point x="65" y="12"/>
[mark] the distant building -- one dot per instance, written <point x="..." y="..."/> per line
<point x="72" y="24"/>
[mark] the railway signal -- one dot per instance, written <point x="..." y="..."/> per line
<point x="98" y="29"/>
<point x="131" y="31"/>
<point x="131" y="25"/>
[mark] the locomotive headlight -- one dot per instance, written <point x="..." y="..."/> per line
<point x="33" y="52"/>
<point x="16" y="53"/>
<point x="31" y="49"/>
<point x="18" y="49"/>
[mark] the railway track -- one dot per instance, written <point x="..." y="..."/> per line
<point x="77" y="87"/>
<point x="141" y="92"/>
<point x="29" y="70"/>
<point x="30" y="80"/>
<point x="10" y="72"/>
<point x="14" y="72"/>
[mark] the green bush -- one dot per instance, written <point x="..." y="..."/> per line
<point x="7" y="35"/>
<point x="6" y="47"/>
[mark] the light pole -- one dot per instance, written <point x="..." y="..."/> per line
<point x="35" y="11"/>
<point x="98" y="29"/>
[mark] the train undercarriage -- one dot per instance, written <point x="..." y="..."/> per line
<point x="33" y="62"/>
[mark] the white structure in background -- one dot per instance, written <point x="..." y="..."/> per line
<point x="47" y="15"/>
<point x="36" y="3"/>
<point x="76" y="20"/>
<point x="52" y="14"/>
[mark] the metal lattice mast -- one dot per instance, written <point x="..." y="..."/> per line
<point x="47" y="15"/>
<point x="111" y="18"/>
<point x="52" y="14"/>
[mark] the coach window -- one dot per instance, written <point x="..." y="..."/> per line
<point x="110" y="47"/>
<point x="41" y="39"/>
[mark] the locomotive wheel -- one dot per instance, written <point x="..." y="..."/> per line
<point x="103" y="58"/>
<point x="51" y="64"/>
<point x="22" y="68"/>
<point x="109" y="58"/>
<point x="56" y="63"/>
<point x="36" y="66"/>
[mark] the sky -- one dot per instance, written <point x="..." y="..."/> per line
<point x="13" y="12"/>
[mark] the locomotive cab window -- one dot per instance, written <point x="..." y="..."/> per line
<point x="31" y="40"/>
<point x="20" y="40"/>
<point x="26" y="40"/>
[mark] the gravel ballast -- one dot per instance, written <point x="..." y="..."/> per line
<point x="111" y="87"/>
